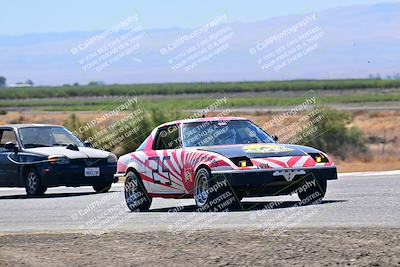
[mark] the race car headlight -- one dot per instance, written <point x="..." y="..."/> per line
<point x="57" y="159"/>
<point x="242" y="161"/>
<point x="112" y="158"/>
<point x="319" y="157"/>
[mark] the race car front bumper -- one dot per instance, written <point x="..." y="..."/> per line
<point x="267" y="182"/>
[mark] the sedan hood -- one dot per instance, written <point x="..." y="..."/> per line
<point x="84" y="152"/>
<point x="260" y="150"/>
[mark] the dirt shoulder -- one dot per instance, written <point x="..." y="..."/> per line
<point x="298" y="247"/>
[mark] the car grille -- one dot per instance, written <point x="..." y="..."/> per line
<point x="92" y="162"/>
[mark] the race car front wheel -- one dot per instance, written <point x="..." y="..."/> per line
<point x="314" y="194"/>
<point x="213" y="195"/>
<point x="135" y="194"/>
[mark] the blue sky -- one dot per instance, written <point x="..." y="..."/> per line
<point x="20" y="17"/>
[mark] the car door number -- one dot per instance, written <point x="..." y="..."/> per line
<point x="160" y="165"/>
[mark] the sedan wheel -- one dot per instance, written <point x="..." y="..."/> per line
<point x="33" y="185"/>
<point x="102" y="188"/>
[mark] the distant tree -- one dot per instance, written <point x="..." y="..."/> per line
<point x="3" y="81"/>
<point x="29" y="82"/>
<point x="378" y="76"/>
<point x="96" y="83"/>
<point x="76" y="84"/>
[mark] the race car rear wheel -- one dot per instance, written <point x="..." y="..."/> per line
<point x="135" y="194"/>
<point x="314" y="194"/>
<point x="212" y="195"/>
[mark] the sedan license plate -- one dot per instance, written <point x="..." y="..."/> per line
<point x="90" y="172"/>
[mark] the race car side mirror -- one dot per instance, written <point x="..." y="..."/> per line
<point x="275" y="138"/>
<point x="10" y="146"/>
<point x="87" y="144"/>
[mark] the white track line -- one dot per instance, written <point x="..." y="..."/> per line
<point x="377" y="173"/>
<point x="11" y="188"/>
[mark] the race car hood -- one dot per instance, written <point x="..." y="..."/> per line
<point x="84" y="152"/>
<point x="260" y="150"/>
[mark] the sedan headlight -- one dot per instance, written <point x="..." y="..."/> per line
<point x="58" y="159"/>
<point x="112" y="158"/>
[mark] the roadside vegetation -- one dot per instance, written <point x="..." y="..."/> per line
<point x="335" y="135"/>
<point x="184" y="88"/>
<point x="190" y="103"/>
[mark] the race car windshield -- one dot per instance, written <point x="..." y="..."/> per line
<point x="47" y="137"/>
<point x="212" y="133"/>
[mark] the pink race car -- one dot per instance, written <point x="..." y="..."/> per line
<point x="218" y="161"/>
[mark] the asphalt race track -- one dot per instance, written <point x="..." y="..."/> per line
<point x="354" y="200"/>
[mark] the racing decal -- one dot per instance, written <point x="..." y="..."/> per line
<point x="121" y="166"/>
<point x="289" y="174"/>
<point x="157" y="174"/>
<point x="149" y="143"/>
<point x="213" y="160"/>
<point x="285" y="162"/>
<point x="194" y="158"/>
<point x="188" y="176"/>
<point x="310" y="162"/>
<point x="160" y="172"/>
<point x="266" y="148"/>
<point x="327" y="164"/>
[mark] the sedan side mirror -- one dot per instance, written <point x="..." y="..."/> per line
<point x="275" y="138"/>
<point x="87" y="144"/>
<point x="11" y="147"/>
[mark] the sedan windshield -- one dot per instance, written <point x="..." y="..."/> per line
<point x="47" y="137"/>
<point x="211" y="133"/>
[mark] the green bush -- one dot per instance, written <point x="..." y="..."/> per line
<point x="334" y="135"/>
<point x="73" y="124"/>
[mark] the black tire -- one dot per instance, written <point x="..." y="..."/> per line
<point x="135" y="194"/>
<point x="313" y="194"/>
<point x="212" y="195"/>
<point x="102" y="188"/>
<point x="33" y="183"/>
